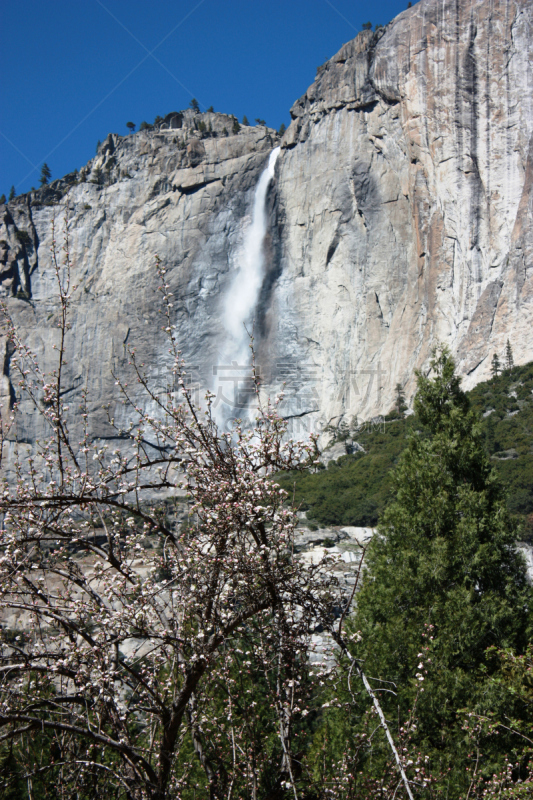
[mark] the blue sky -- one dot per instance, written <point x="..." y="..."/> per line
<point x="72" y="72"/>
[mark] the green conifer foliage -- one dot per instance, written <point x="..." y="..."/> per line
<point x="491" y="443"/>
<point x="444" y="579"/>
<point x="509" y="360"/>
<point x="46" y="174"/>
<point x="401" y="405"/>
<point x="11" y="781"/>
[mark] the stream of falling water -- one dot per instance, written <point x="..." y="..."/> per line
<point x="241" y="300"/>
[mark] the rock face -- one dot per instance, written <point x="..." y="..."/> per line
<point x="406" y="205"/>
<point x="178" y="192"/>
<point x="400" y="216"/>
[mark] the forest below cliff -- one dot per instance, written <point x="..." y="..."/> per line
<point x="356" y="487"/>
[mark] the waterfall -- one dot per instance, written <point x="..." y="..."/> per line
<point x="242" y="296"/>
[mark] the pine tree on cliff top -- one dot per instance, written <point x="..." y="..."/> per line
<point x="45" y="175"/>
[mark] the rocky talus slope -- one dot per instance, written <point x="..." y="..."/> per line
<point x="400" y="215"/>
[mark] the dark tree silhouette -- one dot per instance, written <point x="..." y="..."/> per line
<point x="46" y="174"/>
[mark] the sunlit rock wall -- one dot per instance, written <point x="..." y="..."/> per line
<point x="400" y="216"/>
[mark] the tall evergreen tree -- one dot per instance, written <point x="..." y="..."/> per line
<point x="495" y="365"/>
<point x="401" y="405"/>
<point x="509" y="360"/>
<point x="46" y="174"/>
<point x="444" y="563"/>
<point x="12" y="193"/>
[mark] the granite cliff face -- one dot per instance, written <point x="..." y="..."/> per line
<point x="400" y="215"/>
<point x="178" y="192"/>
<point x="405" y="194"/>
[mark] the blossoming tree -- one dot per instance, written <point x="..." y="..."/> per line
<point x="137" y="635"/>
<point x="141" y="658"/>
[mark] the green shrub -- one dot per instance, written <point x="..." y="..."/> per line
<point x="24" y="238"/>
